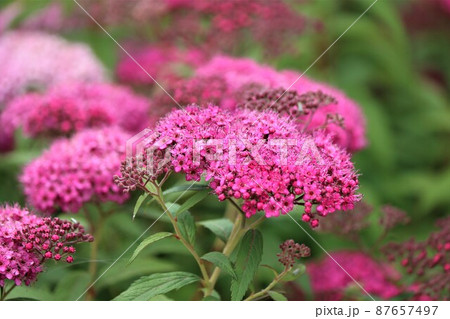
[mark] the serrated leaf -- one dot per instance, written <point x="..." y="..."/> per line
<point x="186" y="224"/>
<point x="138" y="204"/>
<point x="148" y="287"/>
<point x="191" y="202"/>
<point x="149" y="240"/>
<point x="221" y="261"/>
<point x="248" y="258"/>
<point x="277" y="296"/>
<point x="220" y="227"/>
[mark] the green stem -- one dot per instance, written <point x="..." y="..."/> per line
<point x="263" y="292"/>
<point x="4" y="293"/>
<point x="188" y="245"/>
<point x="96" y="230"/>
<point x="236" y="235"/>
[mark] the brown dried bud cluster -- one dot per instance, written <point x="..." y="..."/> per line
<point x="290" y="251"/>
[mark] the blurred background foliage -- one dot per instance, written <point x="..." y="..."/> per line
<point x="398" y="72"/>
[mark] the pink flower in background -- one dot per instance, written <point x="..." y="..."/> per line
<point x="239" y="72"/>
<point x="330" y="282"/>
<point x="353" y="135"/>
<point x="166" y="64"/>
<point x="75" y="171"/>
<point x="37" y="61"/>
<point x="242" y="75"/>
<point x="27" y="240"/>
<point x="70" y="108"/>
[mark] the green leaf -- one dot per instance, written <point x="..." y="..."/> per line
<point x="139" y="202"/>
<point x="197" y="197"/>
<point x="220" y="227"/>
<point x="149" y="240"/>
<point x="187" y="187"/>
<point x="248" y="258"/>
<point x="186" y="224"/>
<point x="221" y="261"/>
<point x="294" y="273"/>
<point x="148" y="287"/>
<point x="160" y="298"/>
<point x="277" y="296"/>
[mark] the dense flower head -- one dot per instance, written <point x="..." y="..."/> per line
<point x="165" y="64"/>
<point x="27" y="241"/>
<point x="330" y="282"/>
<point x="427" y="261"/>
<point x="274" y="167"/>
<point x="37" y="61"/>
<point x="75" y="171"/>
<point x="290" y="251"/>
<point x="66" y="109"/>
<point x="259" y="157"/>
<point x="171" y="145"/>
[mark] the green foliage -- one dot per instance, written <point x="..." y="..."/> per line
<point x="149" y="240"/>
<point x="148" y="287"/>
<point x="139" y="203"/>
<point x="221" y="261"/>
<point x="220" y="227"/>
<point x="277" y="296"/>
<point x="186" y="224"/>
<point x="192" y="201"/>
<point x="246" y="262"/>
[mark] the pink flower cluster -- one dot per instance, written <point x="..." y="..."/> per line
<point x="244" y="74"/>
<point x="171" y="146"/>
<point x="273" y="167"/>
<point x="27" y="240"/>
<point x="257" y="156"/>
<point x="36" y="61"/>
<point x="329" y="282"/>
<point x="75" y="171"/>
<point x="67" y="109"/>
<point x="166" y="64"/>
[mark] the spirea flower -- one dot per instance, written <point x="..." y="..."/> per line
<point x="259" y="157"/>
<point x="37" y="61"/>
<point x="330" y="282"/>
<point x="273" y="167"/>
<point x="290" y="251"/>
<point x="67" y="109"/>
<point x="172" y="146"/>
<point x="75" y="171"/>
<point x="165" y="64"/>
<point x="27" y="241"/>
<point x="428" y="261"/>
